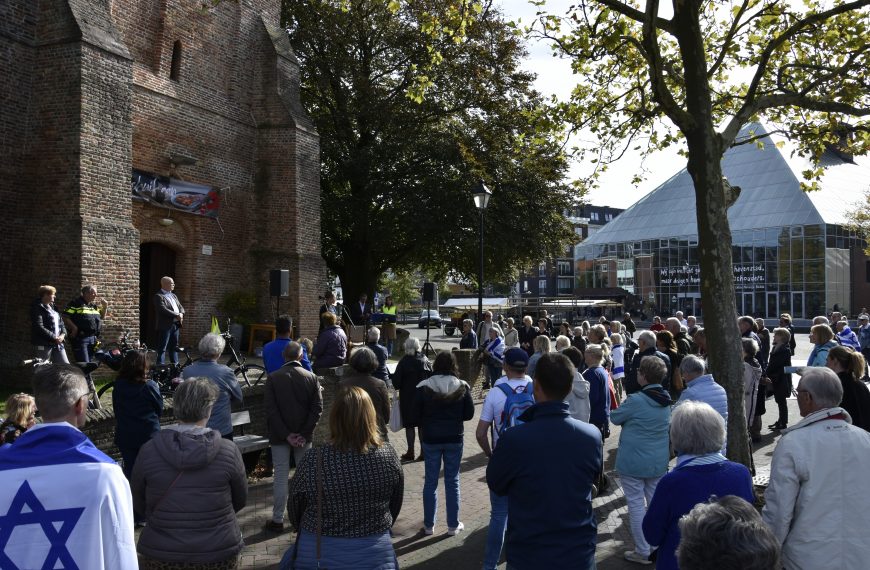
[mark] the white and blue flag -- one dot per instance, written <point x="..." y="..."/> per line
<point x="63" y="504"/>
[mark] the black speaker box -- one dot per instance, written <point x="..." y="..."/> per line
<point x="428" y="292"/>
<point x="279" y="282"/>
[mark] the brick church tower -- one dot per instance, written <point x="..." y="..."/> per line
<point x="94" y="91"/>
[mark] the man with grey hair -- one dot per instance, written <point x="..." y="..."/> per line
<point x="726" y="533"/>
<point x="817" y="501"/>
<point x="293" y="404"/>
<point x="168" y="314"/>
<point x="363" y="363"/>
<point x="66" y="502"/>
<point x="210" y="349"/>
<point x="372" y="337"/>
<point x="701" y="387"/>
<point x="483" y="328"/>
<point x="678" y="331"/>
<point x="646" y="346"/>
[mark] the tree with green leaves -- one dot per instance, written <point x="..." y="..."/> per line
<point x="414" y="102"/>
<point x="695" y="74"/>
<point x="403" y="286"/>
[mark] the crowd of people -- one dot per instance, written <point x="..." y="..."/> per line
<point x="553" y="392"/>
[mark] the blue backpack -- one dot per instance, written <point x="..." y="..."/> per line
<point x="516" y="402"/>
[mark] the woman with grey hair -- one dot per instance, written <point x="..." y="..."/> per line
<point x="210" y="349"/>
<point x="511" y="335"/>
<point x="727" y="534"/>
<point x="541" y="344"/>
<point x="412" y="369"/>
<point x="697" y="434"/>
<point x="362" y="363"/>
<point x="751" y="387"/>
<point x="469" y="337"/>
<point x="186" y="473"/>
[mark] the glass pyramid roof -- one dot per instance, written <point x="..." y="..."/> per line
<point x="770" y="196"/>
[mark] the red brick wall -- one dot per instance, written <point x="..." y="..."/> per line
<point x="105" y="104"/>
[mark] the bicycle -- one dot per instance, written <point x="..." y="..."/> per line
<point x="251" y="374"/>
<point x="166" y="376"/>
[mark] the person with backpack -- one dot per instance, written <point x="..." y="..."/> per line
<point x="511" y="395"/>
<point x="545" y="466"/>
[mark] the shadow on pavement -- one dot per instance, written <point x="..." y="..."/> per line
<point x="465" y="556"/>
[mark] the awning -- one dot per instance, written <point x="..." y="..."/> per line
<point x="470" y="303"/>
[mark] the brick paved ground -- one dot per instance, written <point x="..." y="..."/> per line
<point x="465" y="551"/>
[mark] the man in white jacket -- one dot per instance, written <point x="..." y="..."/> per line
<point x="63" y="502"/>
<point x="818" y="497"/>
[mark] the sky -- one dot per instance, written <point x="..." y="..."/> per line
<point x="555" y="78"/>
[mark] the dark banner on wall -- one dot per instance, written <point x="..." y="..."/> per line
<point x="175" y="194"/>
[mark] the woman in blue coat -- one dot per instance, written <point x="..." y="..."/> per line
<point x="643" y="453"/>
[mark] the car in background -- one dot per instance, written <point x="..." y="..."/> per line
<point x="429" y="318"/>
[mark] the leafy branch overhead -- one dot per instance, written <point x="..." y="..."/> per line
<point x="415" y="101"/>
<point x="800" y="67"/>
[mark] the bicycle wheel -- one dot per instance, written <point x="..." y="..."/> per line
<point x="250" y="374"/>
<point x="105" y="388"/>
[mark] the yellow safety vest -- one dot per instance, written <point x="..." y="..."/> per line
<point x="389" y="310"/>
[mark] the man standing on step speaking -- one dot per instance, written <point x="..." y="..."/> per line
<point x="170" y="314"/>
<point x="545" y="467"/>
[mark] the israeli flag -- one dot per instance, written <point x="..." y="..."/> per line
<point x="63" y="504"/>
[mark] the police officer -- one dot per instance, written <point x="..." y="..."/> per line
<point x="83" y="317"/>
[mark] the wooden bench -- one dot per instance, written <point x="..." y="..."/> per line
<point x="249" y="445"/>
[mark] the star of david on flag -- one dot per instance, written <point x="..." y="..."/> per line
<point x="46" y="519"/>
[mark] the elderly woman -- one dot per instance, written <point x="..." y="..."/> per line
<point x="210" y="349"/>
<point x="493" y="356"/>
<point x="542" y="347"/>
<point x="47" y="331"/>
<point x="138" y="405"/>
<point x="442" y="404"/>
<point x="373" y="335"/>
<point x="751" y="385"/>
<point x="527" y="335"/>
<point x="578" y="341"/>
<point x="469" y="337"/>
<point x="189" y="483"/>
<point x="330" y="350"/>
<point x="562" y="342"/>
<point x="599" y="388"/>
<point x="20" y="417"/>
<point x="363" y="363"/>
<point x="412" y="369"/>
<point x="643" y="453"/>
<point x="511" y="335"/>
<point x="780" y="357"/>
<point x="346" y="494"/>
<point x="849" y="367"/>
<point x="617" y="373"/>
<point x="697" y="434"/>
<point x="700" y="340"/>
<point x="823" y="341"/>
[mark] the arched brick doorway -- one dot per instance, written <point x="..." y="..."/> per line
<point x="156" y="260"/>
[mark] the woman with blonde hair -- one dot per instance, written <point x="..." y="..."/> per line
<point x="822" y="338"/>
<point x="346" y="495"/>
<point x="542" y="346"/>
<point x="20" y="417"/>
<point x="848" y="364"/>
<point x="599" y="388"/>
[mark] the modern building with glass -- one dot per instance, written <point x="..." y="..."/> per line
<point x="791" y="250"/>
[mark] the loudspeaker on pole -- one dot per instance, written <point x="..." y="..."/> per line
<point x="428" y="292"/>
<point x="279" y="282"/>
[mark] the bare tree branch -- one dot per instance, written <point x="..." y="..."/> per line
<point x="661" y="93"/>
<point x="638" y="16"/>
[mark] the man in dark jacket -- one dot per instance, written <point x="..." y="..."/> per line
<point x="551" y="524"/>
<point x="373" y="335"/>
<point x="629" y="325"/>
<point x="293" y="404"/>
<point x="681" y="338"/>
<point x="646" y="346"/>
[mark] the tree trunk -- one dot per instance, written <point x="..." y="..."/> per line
<point x="714" y="234"/>
<point x="717" y="288"/>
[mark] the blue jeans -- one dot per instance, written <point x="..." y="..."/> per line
<point x="432" y="454"/>
<point x="167" y="341"/>
<point x="497" y="526"/>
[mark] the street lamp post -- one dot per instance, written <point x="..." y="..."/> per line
<point x="481" y="196"/>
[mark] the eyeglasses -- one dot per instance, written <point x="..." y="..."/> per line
<point x="90" y="394"/>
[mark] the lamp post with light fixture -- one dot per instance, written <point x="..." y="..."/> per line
<point x="481" y="196"/>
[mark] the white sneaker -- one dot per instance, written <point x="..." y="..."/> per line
<point x="637" y="557"/>
<point x="428" y="530"/>
<point x="454" y="530"/>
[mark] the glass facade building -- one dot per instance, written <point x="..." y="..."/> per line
<point x="790" y="250"/>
